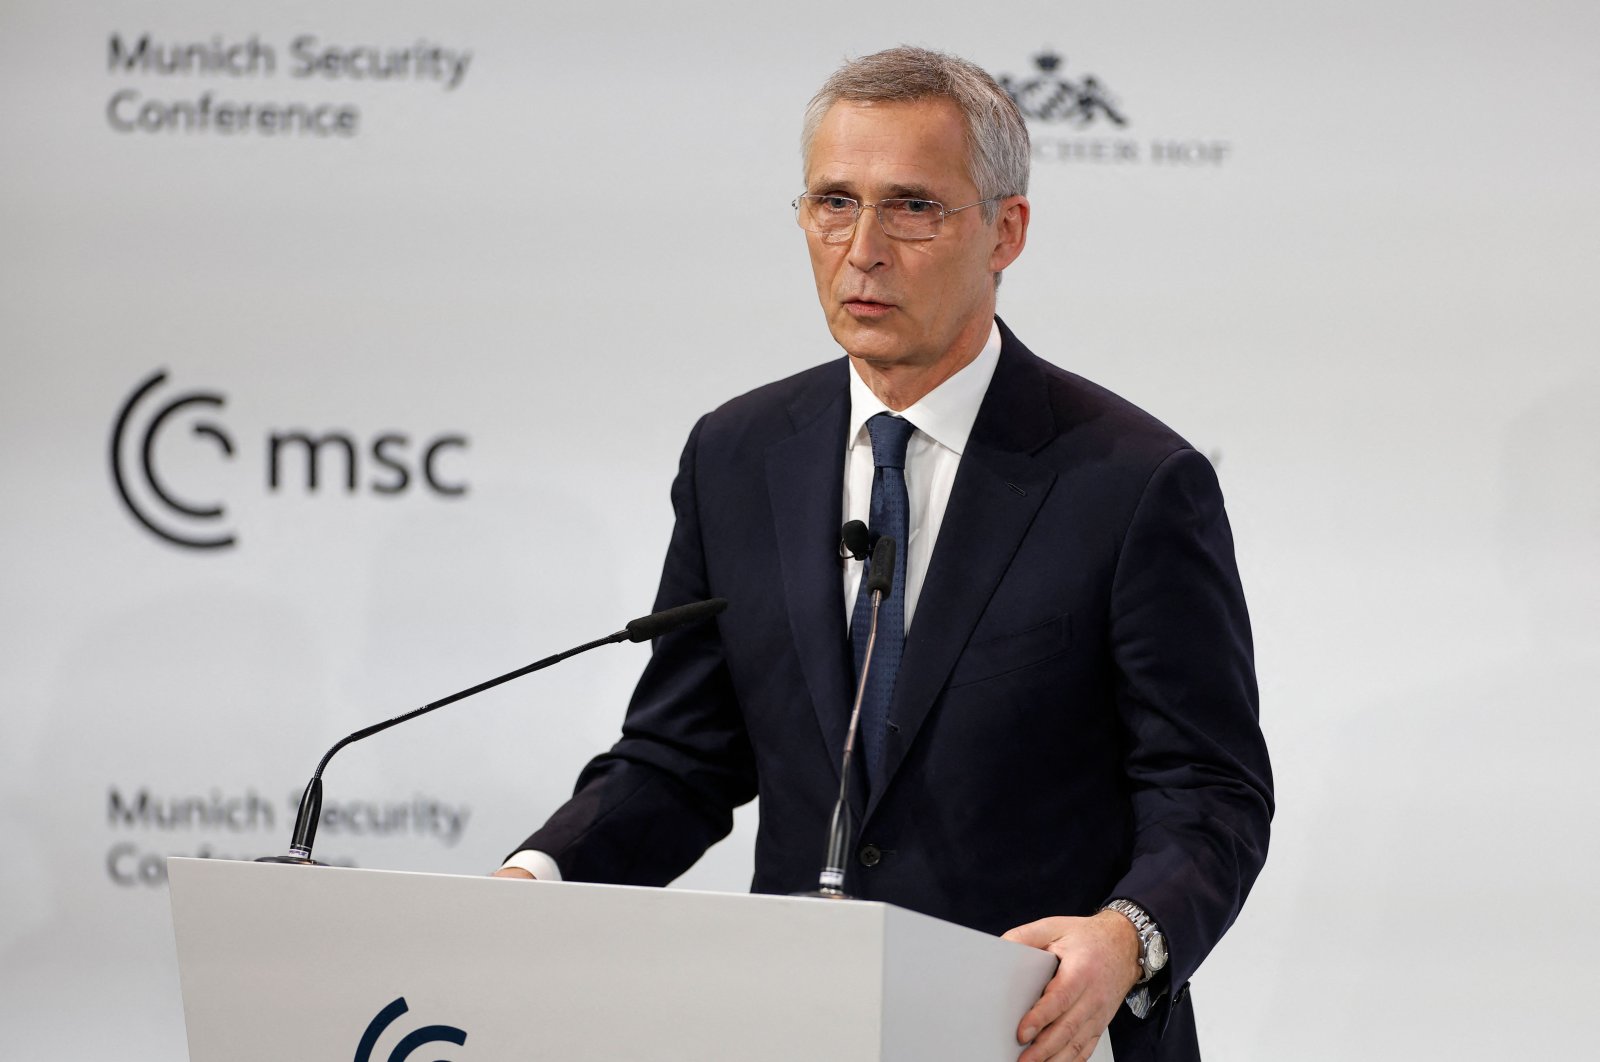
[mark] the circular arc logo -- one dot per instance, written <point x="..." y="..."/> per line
<point x="411" y="1042"/>
<point x="145" y="472"/>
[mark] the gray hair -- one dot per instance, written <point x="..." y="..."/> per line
<point x="997" y="140"/>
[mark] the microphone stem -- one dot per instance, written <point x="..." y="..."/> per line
<point x="305" y="821"/>
<point x="831" y="881"/>
<point x="537" y="665"/>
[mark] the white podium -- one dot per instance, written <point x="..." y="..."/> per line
<point x="324" y="963"/>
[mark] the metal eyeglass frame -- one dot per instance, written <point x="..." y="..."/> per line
<point x="855" y="220"/>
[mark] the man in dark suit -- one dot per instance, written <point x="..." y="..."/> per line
<point x="1067" y="749"/>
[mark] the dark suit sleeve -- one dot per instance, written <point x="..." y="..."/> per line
<point x="1196" y="760"/>
<point x="643" y="812"/>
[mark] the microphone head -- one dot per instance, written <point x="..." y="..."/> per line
<point x="656" y="624"/>
<point x="854" y="541"/>
<point x="880" y="576"/>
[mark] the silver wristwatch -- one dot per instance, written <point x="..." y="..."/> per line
<point x="1152" y="945"/>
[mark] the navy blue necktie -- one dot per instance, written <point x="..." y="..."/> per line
<point x="890" y="516"/>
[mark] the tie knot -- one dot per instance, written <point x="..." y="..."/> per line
<point x="889" y="437"/>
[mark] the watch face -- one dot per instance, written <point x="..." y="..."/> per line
<point x="1157" y="952"/>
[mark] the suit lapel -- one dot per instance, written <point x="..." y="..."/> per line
<point x="805" y="481"/>
<point x="997" y="493"/>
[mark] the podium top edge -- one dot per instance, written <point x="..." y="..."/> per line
<point x="185" y="863"/>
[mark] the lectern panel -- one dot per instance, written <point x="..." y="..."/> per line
<point x="280" y="961"/>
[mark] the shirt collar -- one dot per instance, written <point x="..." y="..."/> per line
<point x="946" y="413"/>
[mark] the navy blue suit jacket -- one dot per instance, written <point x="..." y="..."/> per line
<point x="1075" y="717"/>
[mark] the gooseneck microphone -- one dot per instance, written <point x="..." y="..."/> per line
<point x="879" y="583"/>
<point x="642" y="629"/>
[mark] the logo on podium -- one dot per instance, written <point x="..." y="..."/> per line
<point x="411" y="1042"/>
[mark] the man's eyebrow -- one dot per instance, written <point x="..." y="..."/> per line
<point x="910" y="191"/>
<point x="827" y="184"/>
<point x="894" y="191"/>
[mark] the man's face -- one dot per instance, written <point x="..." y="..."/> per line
<point x="906" y="302"/>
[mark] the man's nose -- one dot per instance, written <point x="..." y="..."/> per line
<point x="869" y="245"/>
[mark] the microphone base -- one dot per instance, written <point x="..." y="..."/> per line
<point x="824" y="894"/>
<point x="297" y="860"/>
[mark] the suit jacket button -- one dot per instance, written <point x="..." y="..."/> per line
<point x="870" y="855"/>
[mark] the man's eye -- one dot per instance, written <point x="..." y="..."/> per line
<point x="836" y="203"/>
<point x="916" y="206"/>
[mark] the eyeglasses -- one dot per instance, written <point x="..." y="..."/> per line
<point x="834" y="217"/>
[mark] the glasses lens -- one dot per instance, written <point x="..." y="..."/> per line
<point x="827" y="214"/>
<point x="910" y="219"/>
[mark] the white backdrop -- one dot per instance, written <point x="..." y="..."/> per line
<point x="1351" y="251"/>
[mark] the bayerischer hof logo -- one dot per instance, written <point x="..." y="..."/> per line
<point x="1050" y="96"/>
<point x="1077" y="117"/>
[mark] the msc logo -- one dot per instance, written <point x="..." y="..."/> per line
<point x="146" y="443"/>
<point x="196" y="516"/>
<point x="1051" y="97"/>
<point x="409" y="1043"/>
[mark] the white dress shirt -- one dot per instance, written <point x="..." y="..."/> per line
<point x="943" y="418"/>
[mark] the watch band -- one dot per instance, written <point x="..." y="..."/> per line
<point x="1152" y="945"/>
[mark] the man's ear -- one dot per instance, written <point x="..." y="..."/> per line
<point x="1011" y="232"/>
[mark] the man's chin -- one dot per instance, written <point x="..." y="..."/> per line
<point x="869" y="341"/>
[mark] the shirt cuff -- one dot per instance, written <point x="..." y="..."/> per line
<point x="538" y="864"/>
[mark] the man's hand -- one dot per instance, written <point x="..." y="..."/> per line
<point x="1099" y="964"/>
<point x="513" y="872"/>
